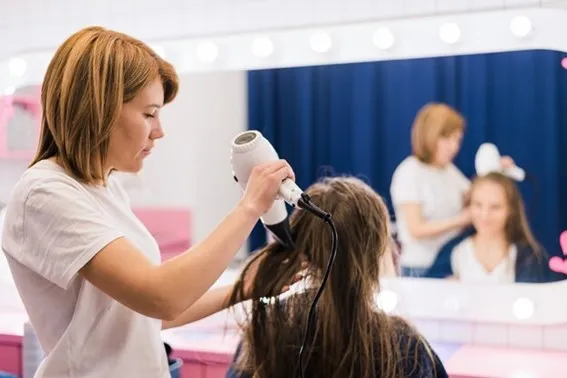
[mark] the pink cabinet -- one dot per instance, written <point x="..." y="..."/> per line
<point x="20" y="120"/>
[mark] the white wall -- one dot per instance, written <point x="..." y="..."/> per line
<point x="190" y="167"/>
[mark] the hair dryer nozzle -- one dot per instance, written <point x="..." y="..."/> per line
<point x="282" y="233"/>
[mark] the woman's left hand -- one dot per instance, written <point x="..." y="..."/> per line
<point x="507" y="162"/>
<point x="250" y="276"/>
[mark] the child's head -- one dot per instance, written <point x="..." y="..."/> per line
<point x="497" y="209"/>
<point x="349" y="326"/>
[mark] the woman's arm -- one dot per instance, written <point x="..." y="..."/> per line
<point x="213" y="301"/>
<point x="168" y="290"/>
<point x="419" y="228"/>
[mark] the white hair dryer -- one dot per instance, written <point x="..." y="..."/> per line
<point x="487" y="160"/>
<point x="249" y="149"/>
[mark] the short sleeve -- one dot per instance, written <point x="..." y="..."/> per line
<point x="405" y="187"/>
<point x="61" y="229"/>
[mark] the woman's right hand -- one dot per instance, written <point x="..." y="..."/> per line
<point x="264" y="184"/>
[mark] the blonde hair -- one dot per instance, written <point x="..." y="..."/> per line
<point x="93" y="73"/>
<point x="433" y="122"/>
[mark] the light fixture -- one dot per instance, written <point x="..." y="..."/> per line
<point x="387" y="300"/>
<point x="158" y="49"/>
<point x="450" y="33"/>
<point x="523" y="308"/>
<point x="17" y="67"/>
<point x="451" y="304"/>
<point x="521" y="26"/>
<point x="383" y="38"/>
<point x="262" y="47"/>
<point x="321" y="42"/>
<point x="9" y="91"/>
<point x="207" y="52"/>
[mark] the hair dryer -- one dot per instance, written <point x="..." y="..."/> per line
<point x="487" y="160"/>
<point x="249" y="149"/>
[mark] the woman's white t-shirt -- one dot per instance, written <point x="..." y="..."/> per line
<point x="439" y="191"/>
<point x="467" y="268"/>
<point x="54" y="225"/>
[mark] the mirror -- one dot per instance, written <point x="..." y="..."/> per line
<point x="357" y="119"/>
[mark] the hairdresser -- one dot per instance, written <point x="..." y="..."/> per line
<point x="87" y="270"/>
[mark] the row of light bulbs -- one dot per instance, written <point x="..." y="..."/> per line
<point x="522" y="308"/>
<point x="320" y="42"/>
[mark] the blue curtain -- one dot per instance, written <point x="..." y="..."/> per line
<point x="356" y="119"/>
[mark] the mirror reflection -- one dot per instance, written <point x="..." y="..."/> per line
<point x="413" y="129"/>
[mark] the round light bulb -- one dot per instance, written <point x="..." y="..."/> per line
<point x="521" y="26"/>
<point x="387" y="300"/>
<point x="383" y="38"/>
<point x="17" y="67"/>
<point x="262" y="47"/>
<point x="9" y="91"/>
<point x="523" y="308"/>
<point x="450" y="33"/>
<point x="321" y="42"/>
<point x="207" y="52"/>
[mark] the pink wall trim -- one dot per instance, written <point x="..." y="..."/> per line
<point x="171" y="227"/>
<point x="7" y="103"/>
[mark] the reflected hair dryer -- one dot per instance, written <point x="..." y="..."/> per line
<point x="487" y="160"/>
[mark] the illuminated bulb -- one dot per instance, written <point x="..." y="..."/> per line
<point x="451" y="304"/>
<point x="321" y="42"/>
<point x="523" y="308"/>
<point x="17" y="67"/>
<point x="160" y="50"/>
<point x="262" y="47"/>
<point x="450" y="33"/>
<point x="207" y="52"/>
<point x="9" y="91"/>
<point x="521" y="26"/>
<point x="383" y="38"/>
<point x="387" y="300"/>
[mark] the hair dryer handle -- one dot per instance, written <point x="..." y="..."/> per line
<point x="515" y="173"/>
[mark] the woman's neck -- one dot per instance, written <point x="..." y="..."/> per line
<point x="491" y="249"/>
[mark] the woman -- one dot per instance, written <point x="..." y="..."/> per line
<point x="428" y="191"/>
<point x="88" y="271"/>
<point x="501" y="247"/>
<point x="353" y="337"/>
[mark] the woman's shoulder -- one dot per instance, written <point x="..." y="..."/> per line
<point x="409" y="164"/>
<point x="410" y="342"/>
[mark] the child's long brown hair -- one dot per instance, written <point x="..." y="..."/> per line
<point x="351" y="338"/>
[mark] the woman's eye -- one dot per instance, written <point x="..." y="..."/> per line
<point x="150" y="116"/>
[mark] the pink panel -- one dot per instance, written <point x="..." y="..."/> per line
<point x="170" y="227"/>
<point x="30" y="104"/>
<point x="485" y="362"/>
<point x="11" y="354"/>
<point x="216" y="371"/>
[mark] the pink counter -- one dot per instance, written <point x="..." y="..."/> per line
<point x="207" y="347"/>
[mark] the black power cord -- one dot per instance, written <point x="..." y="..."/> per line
<point x="306" y="204"/>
